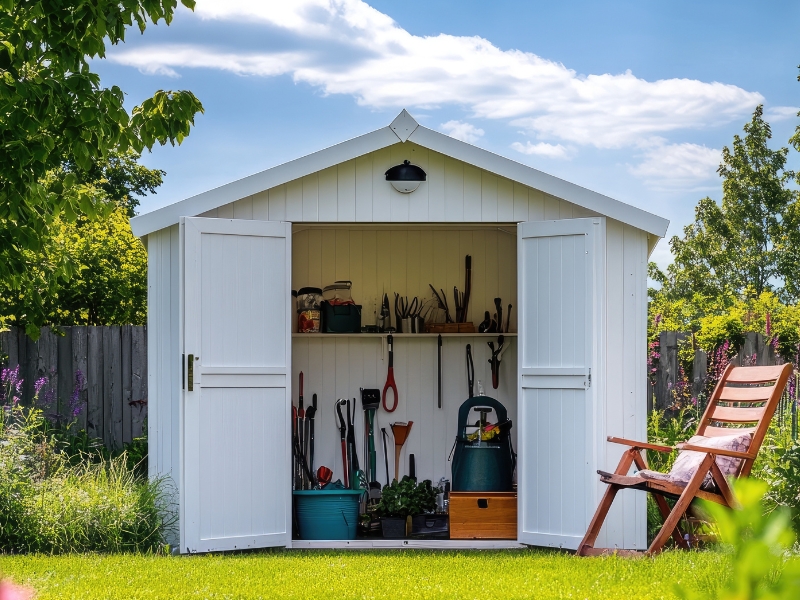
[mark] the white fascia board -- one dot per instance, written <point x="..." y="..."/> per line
<point x="510" y="169"/>
<point x="253" y="184"/>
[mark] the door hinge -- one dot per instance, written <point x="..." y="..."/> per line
<point x="190" y="373"/>
<point x="589" y="381"/>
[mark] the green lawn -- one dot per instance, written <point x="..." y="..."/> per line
<point x="350" y="574"/>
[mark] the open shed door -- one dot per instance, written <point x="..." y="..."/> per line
<point x="237" y="342"/>
<point x="560" y="268"/>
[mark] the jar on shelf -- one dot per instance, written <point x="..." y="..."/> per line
<point x="309" y="319"/>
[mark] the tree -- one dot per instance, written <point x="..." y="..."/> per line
<point x="55" y="116"/>
<point x="741" y="246"/>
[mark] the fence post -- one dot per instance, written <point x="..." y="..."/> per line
<point x="667" y="367"/>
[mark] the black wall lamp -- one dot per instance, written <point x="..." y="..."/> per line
<point x="405" y="178"/>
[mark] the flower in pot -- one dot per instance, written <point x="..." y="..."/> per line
<point x="401" y="500"/>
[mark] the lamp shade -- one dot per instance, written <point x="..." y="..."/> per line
<point x="405" y="178"/>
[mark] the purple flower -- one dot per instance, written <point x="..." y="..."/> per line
<point x="75" y="404"/>
<point x="38" y="385"/>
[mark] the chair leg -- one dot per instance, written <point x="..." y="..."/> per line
<point x="671" y="522"/>
<point x="605" y="504"/>
<point x="663" y="507"/>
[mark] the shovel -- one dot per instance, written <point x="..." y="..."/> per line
<point x="400" y="432"/>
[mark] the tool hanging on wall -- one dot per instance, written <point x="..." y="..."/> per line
<point x="412" y="467"/>
<point x="311" y="412"/>
<point x="390" y="384"/>
<point x="470" y="372"/>
<point x="442" y="303"/>
<point x="400" y="432"/>
<point x="386" y="453"/>
<point x="343" y="439"/>
<point x="497" y="356"/>
<point x="301" y="414"/>
<point x="355" y="473"/>
<point x="498" y="302"/>
<point x="467" y="286"/>
<point x="439" y="344"/>
<point x="508" y="319"/>
<point x="386" y="320"/>
<point x="486" y="323"/>
<point x="370" y="402"/>
<point x="324" y="476"/>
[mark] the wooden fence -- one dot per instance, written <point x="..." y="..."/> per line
<point x="756" y="350"/>
<point x="111" y="390"/>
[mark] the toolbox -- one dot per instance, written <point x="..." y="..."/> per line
<point x="433" y="525"/>
<point x="341" y="318"/>
<point x="483" y="515"/>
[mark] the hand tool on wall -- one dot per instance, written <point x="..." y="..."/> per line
<point x="508" y="319"/>
<point x="343" y="438"/>
<point x="439" y="349"/>
<point x="311" y="412"/>
<point x="390" y="384"/>
<point x="386" y="322"/>
<point x="487" y="322"/>
<point x="470" y="372"/>
<point x="458" y="298"/>
<point x="498" y="302"/>
<point x="400" y="432"/>
<point x="386" y="453"/>
<point x="412" y="467"/>
<point x="352" y="451"/>
<point x="324" y="476"/>
<point x="467" y="286"/>
<point x="398" y="314"/>
<point x="442" y="303"/>
<point x="301" y="414"/>
<point x="497" y="356"/>
<point x="370" y="401"/>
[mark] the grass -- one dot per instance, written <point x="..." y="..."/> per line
<point x="332" y="575"/>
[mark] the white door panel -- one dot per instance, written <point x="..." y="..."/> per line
<point x="236" y="434"/>
<point x="558" y="266"/>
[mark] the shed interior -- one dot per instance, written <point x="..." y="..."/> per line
<point x="404" y="259"/>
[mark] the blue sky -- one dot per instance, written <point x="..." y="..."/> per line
<point x="631" y="99"/>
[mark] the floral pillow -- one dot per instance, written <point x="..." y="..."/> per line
<point x="688" y="461"/>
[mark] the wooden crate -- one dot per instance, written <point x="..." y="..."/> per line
<point x="483" y="515"/>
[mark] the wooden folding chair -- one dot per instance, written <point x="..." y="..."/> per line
<point x="742" y="396"/>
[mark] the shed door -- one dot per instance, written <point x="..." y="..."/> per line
<point x="236" y="451"/>
<point x="557" y="271"/>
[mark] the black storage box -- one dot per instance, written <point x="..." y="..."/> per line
<point x="344" y="318"/>
<point x="429" y="525"/>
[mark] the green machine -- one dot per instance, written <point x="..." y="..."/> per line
<point x="483" y="459"/>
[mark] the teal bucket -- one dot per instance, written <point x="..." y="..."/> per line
<point x="327" y="514"/>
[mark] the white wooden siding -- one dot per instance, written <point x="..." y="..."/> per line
<point x="626" y="375"/>
<point x="163" y="360"/>
<point x="357" y="191"/>
<point x="405" y="259"/>
<point x="337" y="367"/>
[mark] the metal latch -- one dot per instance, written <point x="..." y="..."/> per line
<point x="190" y="372"/>
<point x="590" y="379"/>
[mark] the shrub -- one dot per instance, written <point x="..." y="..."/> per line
<point x="406" y="497"/>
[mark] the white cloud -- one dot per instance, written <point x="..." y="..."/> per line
<point x="348" y="47"/>
<point x="678" y="165"/>
<point x="541" y="149"/>
<point x="780" y="113"/>
<point x="466" y="132"/>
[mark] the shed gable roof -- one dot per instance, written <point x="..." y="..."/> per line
<point x="403" y="128"/>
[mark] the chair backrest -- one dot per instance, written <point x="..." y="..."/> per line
<point x="744" y="400"/>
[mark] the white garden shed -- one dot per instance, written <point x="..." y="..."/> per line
<point x="221" y="265"/>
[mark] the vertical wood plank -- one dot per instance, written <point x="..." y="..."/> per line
<point x="372" y="285"/>
<point x="343" y="259"/>
<point x="94" y="382"/>
<point x="327" y="257"/>
<point x="80" y="369"/>
<point x="9" y="346"/>
<point x="311" y="197"/>
<point x="66" y="376"/>
<point x="346" y="191"/>
<point x="521" y="202"/>
<point x="225" y="212"/>
<point x="552" y="207"/>
<point x="366" y="298"/>
<point x="505" y="199"/>
<point x="277" y="203"/>
<point x="138" y="379"/>
<point x="47" y="366"/>
<point x="472" y="193"/>
<point x="364" y="188"/>
<point x="294" y="200"/>
<point x="126" y="356"/>
<point x="418" y="201"/>
<point x="261" y="206"/>
<point x="381" y="189"/>
<point x="535" y="205"/>
<point x="488" y="197"/>
<point x="436" y="186"/>
<point x="399" y="203"/>
<point x="453" y="190"/>
<point x="328" y="194"/>
<point x="243" y="209"/>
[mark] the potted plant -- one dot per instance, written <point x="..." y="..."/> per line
<point x="401" y="500"/>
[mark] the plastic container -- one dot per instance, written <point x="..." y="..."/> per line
<point x="309" y="298"/>
<point x="330" y="514"/>
<point x="342" y="318"/>
<point x="338" y="292"/>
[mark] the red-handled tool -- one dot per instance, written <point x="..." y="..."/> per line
<point x="343" y="437"/>
<point x="390" y="384"/>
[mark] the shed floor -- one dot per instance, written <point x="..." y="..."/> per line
<point x="399" y="544"/>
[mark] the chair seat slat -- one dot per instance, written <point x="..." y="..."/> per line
<point x="746" y="394"/>
<point x="711" y="431"/>
<point x="733" y="414"/>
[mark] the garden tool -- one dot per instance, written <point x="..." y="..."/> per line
<point x="412" y="467"/>
<point x="390" y="384"/>
<point x="497" y="356"/>
<point x="442" y="302"/>
<point x="400" y="432"/>
<point x="486" y="323"/>
<point x="470" y="372"/>
<point x="370" y="401"/>
<point x="508" y="318"/>
<point x="310" y="414"/>
<point x="324" y="476"/>
<point x="439" y="403"/>
<point x="386" y="453"/>
<point x="498" y="302"/>
<point x="343" y="438"/>
<point x="467" y="287"/>
<point x="301" y="418"/>
<point x="355" y="474"/>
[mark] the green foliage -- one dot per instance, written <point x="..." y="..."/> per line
<point x="348" y="574"/>
<point x="50" y="502"/>
<point x="759" y="543"/>
<point x="107" y="284"/>
<point x="55" y="113"/>
<point x="668" y="430"/>
<point x="406" y="497"/>
<point x="740" y="246"/>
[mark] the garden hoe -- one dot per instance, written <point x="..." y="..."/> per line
<point x="400" y="432"/>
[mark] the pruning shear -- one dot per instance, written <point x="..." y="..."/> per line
<point x="497" y="356"/>
<point x="390" y="384"/>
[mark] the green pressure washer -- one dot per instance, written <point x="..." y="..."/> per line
<point x="479" y="464"/>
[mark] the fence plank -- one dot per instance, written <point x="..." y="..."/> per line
<point x="47" y="367"/>
<point x="699" y="372"/>
<point x="114" y="387"/>
<point x="80" y="370"/>
<point x="668" y="371"/>
<point x="138" y="379"/>
<point x="9" y="346"/>
<point x="125" y="342"/>
<point x="66" y="376"/>
<point x="94" y="381"/>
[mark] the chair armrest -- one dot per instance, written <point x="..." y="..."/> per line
<point x="641" y="445"/>
<point x="715" y="451"/>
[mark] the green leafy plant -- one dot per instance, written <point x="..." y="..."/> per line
<point x="406" y="497"/>
<point x="758" y="541"/>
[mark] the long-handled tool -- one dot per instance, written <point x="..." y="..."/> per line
<point x="343" y="438"/>
<point x="386" y="453"/>
<point x="400" y="432"/>
<point x="470" y="372"/>
<point x="352" y="451"/>
<point x="370" y="401"/>
<point x="497" y="356"/>
<point x="301" y="421"/>
<point x="390" y="384"/>
<point x="311" y="412"/>
<point x="440" y="370"/>
<point x="508" y="319"/>
<point x="467" y="287"/>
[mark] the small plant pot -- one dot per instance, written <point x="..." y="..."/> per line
<point x="394" y="528"/>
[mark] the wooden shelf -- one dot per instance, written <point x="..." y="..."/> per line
<point x="400" y="335"/>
